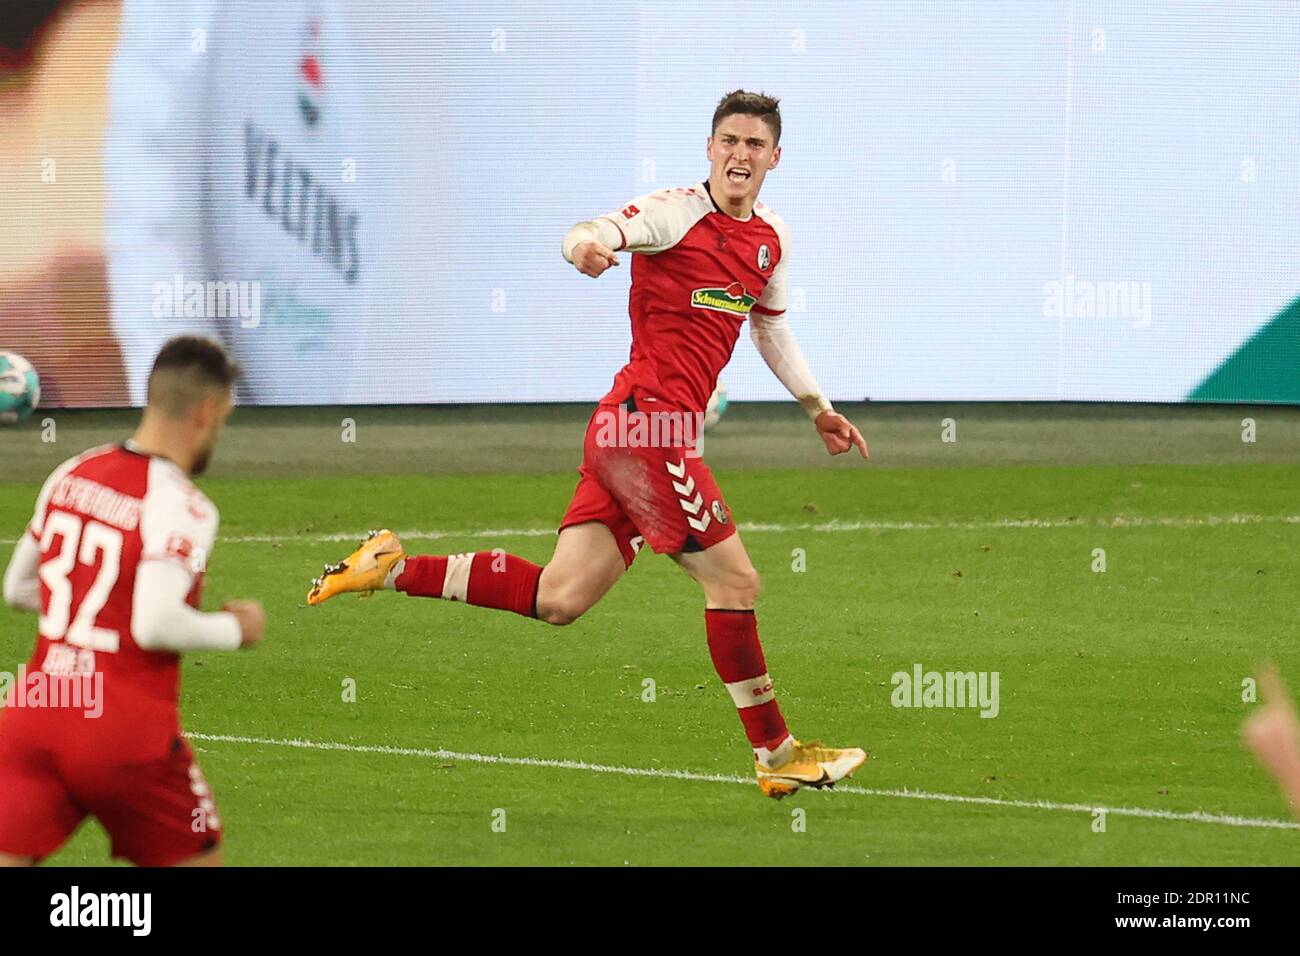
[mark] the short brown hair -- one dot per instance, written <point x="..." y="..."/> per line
<point x="186" y="368"/>
<point x="767" y="108"/>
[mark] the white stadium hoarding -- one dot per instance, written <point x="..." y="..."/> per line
<point x="992" y="201"/>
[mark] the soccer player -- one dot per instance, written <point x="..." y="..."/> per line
<point x="113" y="561"/>
<point x="707" y="257"/>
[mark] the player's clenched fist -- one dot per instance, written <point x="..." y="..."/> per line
<point x="839" y="434"/>
<point x="252" y="620"/>
<point x="591" y="258"/>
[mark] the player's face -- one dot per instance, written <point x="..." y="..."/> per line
<point x="214" y="410"/>
<point x="741" y="151"/>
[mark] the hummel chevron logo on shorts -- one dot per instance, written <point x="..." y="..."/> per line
<point x="697" y="516"/>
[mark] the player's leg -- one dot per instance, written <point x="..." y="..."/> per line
<point x="597" y="543"/>
<point x="160" y="813"/>
<point x="494" y="579"/>
<point x="782" y="763"/>
<point x="486" y="578"/>
<point x="587" y="562"/>
<point x="672" y="497"/>
<point x="725" y="574"/>
<point x="37" y="811"/>
<point x="730" y="584"/>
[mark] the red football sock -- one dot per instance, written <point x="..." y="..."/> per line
<point x="738" y="659"/>
<point x="486" y="579"/>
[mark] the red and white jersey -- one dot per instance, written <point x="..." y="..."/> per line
<point x="699" y="274"/>
<point x="98" y="517"/>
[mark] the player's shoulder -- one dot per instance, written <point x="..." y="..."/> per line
<point x="658" y="220"/>
<point x="171" y="493"/>
<point x="673" y="201"/>
<point x="73" y="464"/>
<point x="769" y="216"/>
<point x="94" y="467"/>
<point x="695" y="196"/>
<point x="90" y="454"/>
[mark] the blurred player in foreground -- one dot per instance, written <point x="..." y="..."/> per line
<point x="709" y="256"/>
<point x="1273" y="734"/>
<point x="113" y="561"/>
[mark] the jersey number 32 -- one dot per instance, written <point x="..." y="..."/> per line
<point x="71" y="611"/>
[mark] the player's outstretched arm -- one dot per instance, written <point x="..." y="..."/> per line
<point x="590" y="246"/>
<point x="650" y="223"/>
<point x="22" y="587"/>
<point x="777" y="345"/>
<point x="162" y="621"/>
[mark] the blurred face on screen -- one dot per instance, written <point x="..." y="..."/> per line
<point x="741" y="151"/>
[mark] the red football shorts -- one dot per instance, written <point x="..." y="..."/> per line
<point x="157" y="814"/>
<point x="646" y="493"/>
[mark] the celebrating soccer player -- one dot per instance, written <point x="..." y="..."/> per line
<point x="113" y="561"/>
<point x="708" y="257"/>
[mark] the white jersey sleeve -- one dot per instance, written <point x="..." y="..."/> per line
<point x="770" y="329"/>
<point x="22" y="586"/>
<point x="178" y="526"/>
<point x="773" y="299"/>
<point x="178" y="523"/>
<point x="657" y="221"/>
<point x="776" y="343"/>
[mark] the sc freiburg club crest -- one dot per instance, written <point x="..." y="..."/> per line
<point x="311" y="79"/>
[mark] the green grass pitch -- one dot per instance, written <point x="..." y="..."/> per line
<point x="1118" y="689"/>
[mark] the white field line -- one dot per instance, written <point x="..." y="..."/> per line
<point x="830" y="527"/>
<point x="1133" y="521"/>
<point x="1195" y="816"/>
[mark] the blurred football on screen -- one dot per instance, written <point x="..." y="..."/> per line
<point x="20" y="388"/>
<point x="717" y="406"/>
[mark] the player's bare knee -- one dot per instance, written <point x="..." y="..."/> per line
<point x="561" y="609"/>
<point x="735" y="590"/>
<point x="741" y="588"/>
<point x="552" y="615"/>
<point x="560" y="616"/>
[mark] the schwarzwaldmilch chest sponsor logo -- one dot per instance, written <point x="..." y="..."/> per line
<point x="733" y="299"/>
<point x="288" y="194"/>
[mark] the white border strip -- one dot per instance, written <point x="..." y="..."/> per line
<point x="841" y="527"/>
<point x="1195" y="816"/>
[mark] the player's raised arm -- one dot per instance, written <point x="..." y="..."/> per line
<point x="590" y="246"/>
<point x="649" y="223"/>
